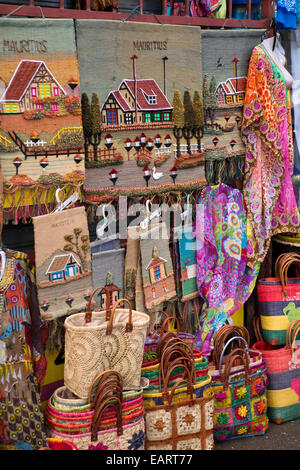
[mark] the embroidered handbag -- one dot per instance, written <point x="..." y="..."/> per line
<point x="94" y="344"/>
<point x="240" y="394"/>
<point x="107" y="430"/>
<point x="185" y="424"/>
<point x="283" y="372"/>
<point x="279" y="299"/>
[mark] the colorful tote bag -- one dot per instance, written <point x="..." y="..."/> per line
<point x="41" y="140"/>
<point x="240" y="394"/>
<point x="63" y="262"/>
<point x="106" y="428"/>
<point x="283" y="372"/>
<point x="180" y="423"/>
<point x="279" y="300"/>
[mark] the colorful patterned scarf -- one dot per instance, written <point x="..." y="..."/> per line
<point x="267" y="132"/>
<point x="224" y="279"/>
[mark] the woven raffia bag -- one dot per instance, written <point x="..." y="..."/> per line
<point x="94" y="343"/>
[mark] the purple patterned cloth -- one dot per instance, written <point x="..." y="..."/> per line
<point x="224" y="279"/>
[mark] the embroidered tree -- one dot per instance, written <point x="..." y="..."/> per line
<point x="206" y="98"/>
<point x="189" y="119"/>
<point x="79" y="245"/>
<point x="178" y="118"/>
<point x="87" y="123"/>
<point x="108" y="281"/>
<point x="212" y="99"/>
<point x="199" y="117"/>
<point x="95" y="137"/>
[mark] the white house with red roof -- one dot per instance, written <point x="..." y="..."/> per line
<point x="31" y="85"/>
<point x="232" y="91"/>
<point x="136" y="101"/>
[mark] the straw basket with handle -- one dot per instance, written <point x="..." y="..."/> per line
<point x="94" y="344"/>
<point x="279" y="299"/>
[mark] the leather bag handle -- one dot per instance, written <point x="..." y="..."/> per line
<point x="129" y="326"/>
<point x="233" y="356"/>
<point x="105" y="377"/>
<point x="190" y="391"/>
<point x="226" y="345"/>
<point x="97" y="415"/>
<point x="88" y="312"/>
<point x="282" y="265"/>
<point x="222" y="336"/>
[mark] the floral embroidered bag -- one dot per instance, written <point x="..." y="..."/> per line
<point x="240" y="394"/>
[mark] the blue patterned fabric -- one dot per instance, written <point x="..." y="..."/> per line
<point x="286" y="14"/>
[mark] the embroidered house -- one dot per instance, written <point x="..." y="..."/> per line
<point x="114" y="294"/>
<point x="232" y="91"/>
<point x="136" y="101"/>
<point x="30" y="87"/>
<point x="160" y="285"/>
<point x="63" y="267"/>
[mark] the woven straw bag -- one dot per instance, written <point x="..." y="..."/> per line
<point x="94" y="344"/>
<point x="106" y="428"/>
<point x="279" y="301"/>
<point x="180" y="425"/>
<point x="283" y="372"/>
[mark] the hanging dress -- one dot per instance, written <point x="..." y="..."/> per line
<point x="267" y="133"/>
<point x="224" y="279"/>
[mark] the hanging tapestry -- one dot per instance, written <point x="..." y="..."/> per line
<point x="267" y="130"/>
<point x="188" y="264"/>
<point x="108" y="271"/>
<point x="224" y="279"/>
<point x="40" y="132"/>
<point x="142" y="135"/>
<point x="157" y="268"/>
<point x="63" y="262"/>
<point x="225" y="61"/>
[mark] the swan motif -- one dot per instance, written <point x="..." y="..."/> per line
<point x="155" y="175"/>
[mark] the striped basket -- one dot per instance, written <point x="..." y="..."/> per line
<point x="283" y="373"/>
<point x="279" y="300"/>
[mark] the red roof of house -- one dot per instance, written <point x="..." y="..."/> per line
<point x="239" y="84"/>
<point x="120" y="100"/>
<point x="156" y="262"/>
<point x="148" y="87"/>
<point x="110" y="288"/>
<point x="21" y="78"/>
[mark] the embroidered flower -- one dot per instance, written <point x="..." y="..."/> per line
<point x="222" y="435"/>
<point x="221" y="396"/>
<point x="99" y="446"/>
<point x="242" y="430"/>
<point x="137" y="441"/>
<point x="258" y="387"/>
<point x="240" y="392"/>
<point x="260" y="407"/>
<point x="159" y="425"/>
<point x="259" y="427"/>
<point x="241" y="412"/>
<point x="223" y="418"/>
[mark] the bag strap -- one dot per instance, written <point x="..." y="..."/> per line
<point x="190" y="391"/>
<point x="282" y="265"/>
<point x="129" y="326"/>
<point x="88" y="312"/>
<point x="233" y="356"/>
<point x="222" y="336"/>
<point x="256" y="328"/>
<point x="292" y="333"/>
<point x="174" y="365"/>
<point x="103" y="378"/>
<point x="97" y="415"/>
<point x="246" y="348"/>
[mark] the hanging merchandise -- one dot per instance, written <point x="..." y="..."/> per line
<point x="63" y="262"/>
<point x="279" y="304"/>
<point x="222" y="238"/>
<point x="181" y="420"/>
<point x="109" y="419"/>
<point x="295" y="54"/>
<point x="188" y="264"/>
<point x="267" y="131"/>
<point x="240" y="393"/>
<point x="157" y="268"/>
<point x="287" y="14"/>
<point x="41" y="141"/>
<point x="225" y="62"/>
<point x="283" y="373"/>
<point x="134" y="100"/>
<point x="99" y="340"/>
<point x="131" y="266"/>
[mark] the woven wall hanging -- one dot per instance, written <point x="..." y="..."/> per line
<point x="63" y="262"/>
<point x="40" y="133"/>
<point x="130" y="105"/>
